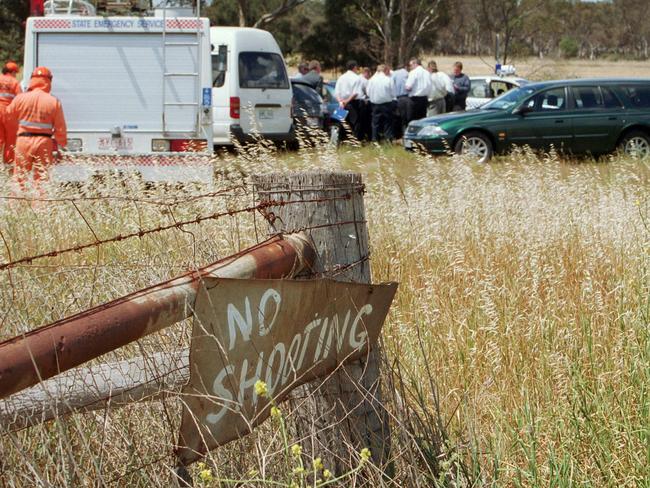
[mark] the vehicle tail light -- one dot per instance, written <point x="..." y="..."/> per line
<point x="188" y="145"/>
<point x="235" y="106"/>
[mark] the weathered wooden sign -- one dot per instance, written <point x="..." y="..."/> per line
<point x="282" y="332"/>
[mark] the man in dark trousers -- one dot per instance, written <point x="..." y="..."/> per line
<point x="418" y="85"/>
<point x="403" y="105"/>
<point x="381" y="94"/>
<point x="346" y="94"/>
<point x="462" y="85"/>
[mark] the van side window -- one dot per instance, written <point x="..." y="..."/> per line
<point x="262" y="70"/>
<point x="638" y="96"/>
<point x="219" y="66"/>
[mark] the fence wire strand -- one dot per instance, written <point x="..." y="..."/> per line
<point x="148" y="347"/>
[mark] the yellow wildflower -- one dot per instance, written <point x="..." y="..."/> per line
<point x="275" y="413"/>
<point x="317" y="463"/>
<point x="327" y="474"/>
<point x="296" y="450"/>
<point x="298" y="470"/>
<point x="261" y="389"/>
<point x="364" y="454"/>
<point x="205" y="475"/>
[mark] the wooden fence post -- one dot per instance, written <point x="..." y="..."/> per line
<point x="345" y="413"/>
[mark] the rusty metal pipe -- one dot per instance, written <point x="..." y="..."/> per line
<point x="49" y="350"/>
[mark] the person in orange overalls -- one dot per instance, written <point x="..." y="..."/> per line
<point x="41" y="126"/>
<point x="9" y="88"/>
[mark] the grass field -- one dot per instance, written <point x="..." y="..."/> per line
<point x="522" y="318"/>
<point x="537" y="69"/>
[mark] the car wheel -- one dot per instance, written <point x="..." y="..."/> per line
<point x="475" y="145"/>
<point x="636" y="144"/>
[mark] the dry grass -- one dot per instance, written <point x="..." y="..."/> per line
<point x="521" y="320"/>
<point x="543" y="69"/>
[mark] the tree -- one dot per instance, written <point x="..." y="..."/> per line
<point x="507" y="18"/>
<point x="12" y="17"/>
<point x="414" y="19"/>
<point x="381" y="15"/>
<point x="341" y="34"/>
<point x="247" y="12"/>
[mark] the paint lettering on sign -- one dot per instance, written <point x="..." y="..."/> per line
<point x="283" y="332"/>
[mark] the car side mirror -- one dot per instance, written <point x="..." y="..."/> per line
<point x="522" y="110"/>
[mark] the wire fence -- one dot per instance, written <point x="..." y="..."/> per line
<point x="75" y="248"/>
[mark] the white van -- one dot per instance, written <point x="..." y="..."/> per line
<point x="251" y="93"/>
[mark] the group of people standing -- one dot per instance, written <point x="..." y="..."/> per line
<point x="31" y="123"/>
<point x="382" y="105"/>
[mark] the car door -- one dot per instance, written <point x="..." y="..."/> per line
<point x="596" y="117"/>
<point x="542" y="121"/>
<point x="549" y="120"/>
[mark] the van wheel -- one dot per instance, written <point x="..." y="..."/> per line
<point x="476" y="146"/>
<point x="635" y="144"/>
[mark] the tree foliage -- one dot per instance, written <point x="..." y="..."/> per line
<point x="373" y="31"/>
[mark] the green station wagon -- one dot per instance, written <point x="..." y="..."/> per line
<point x="594" y="116"/>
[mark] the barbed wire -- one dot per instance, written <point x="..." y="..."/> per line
<point x="260" y="207"/>
<point x="170" y="202"/>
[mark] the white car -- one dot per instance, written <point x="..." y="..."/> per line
<point x="485" y="88"/>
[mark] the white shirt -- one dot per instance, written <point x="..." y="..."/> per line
<point x="449" y="85"/>
<point x="345" y="85"/>
<point x="399" y="80"/>
<point x="380" y="89"/>
<point x="418" y="84"/>
<point x="440" y="84"/>
<point x="360" y="88"/>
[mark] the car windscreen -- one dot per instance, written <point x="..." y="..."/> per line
<point x="262" y="70"/>
<point x="509" y="99"/>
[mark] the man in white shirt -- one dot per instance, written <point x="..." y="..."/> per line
<point x="346" y="93"/>
<point x="365" y="113"/>
<point x="418" y="85"/>
<point x="399" y="77"/>
<point x="440" y="82"/>
<point x="381" y="93"/>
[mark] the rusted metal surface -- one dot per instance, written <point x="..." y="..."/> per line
<point x="44" y="352"/>
<point x="283" y="333"/>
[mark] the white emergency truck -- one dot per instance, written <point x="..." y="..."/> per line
<point x="251" y="89"/>
<point x="136" y="91"/>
